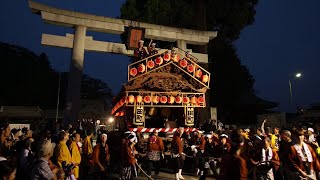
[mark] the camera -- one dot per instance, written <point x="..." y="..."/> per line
<point x="67" y="168"/>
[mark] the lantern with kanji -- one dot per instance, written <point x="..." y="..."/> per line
<point x="133" y="71"/>
<point x="159" y="60"/>
<point x="183" y="63"/>
<point x="139" y="98"/>
<point x="163" y="99"/>
<point x="178" y="99"/>
<point x="186" y="100"/>
<point x="147" y="99"/>
<point x="190" y="68"/>
<point x="198" y="73"/>
<point x="155" y="99"/>
<point x="141" y="68"/>
<point x="130" y="99"/>
<point x="150" y="64"/>
<point x="205" y="78"/>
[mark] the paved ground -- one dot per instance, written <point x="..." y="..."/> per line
<point x="170" y="176"/>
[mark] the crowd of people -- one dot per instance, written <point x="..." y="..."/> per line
<point x="227" y="154"/>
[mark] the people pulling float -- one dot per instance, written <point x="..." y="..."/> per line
<point x="155" y="150"/>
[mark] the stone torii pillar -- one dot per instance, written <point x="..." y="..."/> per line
<point x="75" y="76"/>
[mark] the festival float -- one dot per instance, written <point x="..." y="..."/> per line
<point x="162" y="92"/>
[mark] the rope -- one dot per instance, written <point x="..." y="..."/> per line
<point x="149" y="177"/>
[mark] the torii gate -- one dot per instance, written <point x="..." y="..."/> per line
<point x="80" y="43"/>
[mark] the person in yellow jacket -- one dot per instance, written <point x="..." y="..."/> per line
<point x="75" y="153"/>
<point x="61" y="151"/>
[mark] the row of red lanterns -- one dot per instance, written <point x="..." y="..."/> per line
<point x="159" y="60"/>
<point x="120" y="113"/>
<point x="165" y="99"/>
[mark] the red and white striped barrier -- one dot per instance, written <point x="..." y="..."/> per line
<point x="161" y="129"/>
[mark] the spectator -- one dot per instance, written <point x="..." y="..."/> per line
<point x="7" y="170"/>
<point x="101" y="157"/>
<point x="61" y="151"/>
<point x="75" y="153"/>
<point x="41" y="169"/>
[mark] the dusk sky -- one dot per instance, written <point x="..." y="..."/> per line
<point x="283" y="40"/>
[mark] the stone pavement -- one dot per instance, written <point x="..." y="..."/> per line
<point x="170" y="176"/>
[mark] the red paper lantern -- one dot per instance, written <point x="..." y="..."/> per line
<point x="194" y="100"/>
<point x="166" y="57"/>
<point x="133" y="71"/>
<point x="163" y="99"/>
<point x="178" y="99"/>
<point x="147" y="99"/>
<point x="121" y="113"/>
<point x="183" y="63"/>
<point x="141" y="68"/>
<point x="198" y="73"/>
<point x="205" y="78"/>
<point x="155" y="99"/>
<point x="190" y="68"/>
<point x="186" y="100"/>
<point x="131" y="99"/>
<point x="150" y="64"/>
<point x="139" y="99"/>
<point x="159" y="60"/>
<point x="201" y="100"/>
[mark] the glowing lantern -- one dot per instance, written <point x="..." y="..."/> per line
<point x="155" y="99"/>
<point x="150" y="64"/>
<point x="131" y="99"/>
<point x="201" y="99"/>
<point x="194" y="100"/>
<point x="141" y="68"/>
<point x="178" y="99"/>
<point x="198" y="73"/>
<point x="159" y="60"/>
<point x="121" y="113"/>
<point x="117" y="114"/>
<point x="139" y="98"/>
<point x="205" y="78"/>
<point x="171" y="99"/>
<point x="183" y="63"/>
<point x="175" y="58"/>
<point x="163" y="99"/>
<point x="186" y="100"/>
<point x="190" y="68"/>
<point x="167" y="57"/>
<point x="133" y="71"/>
<point x="147" y="99"/>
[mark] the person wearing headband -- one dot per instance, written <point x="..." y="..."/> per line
<point x="155" y="150"/>
<point x="177" y="153"/>
<point x="233" y="166"/>
<point x="152" y="48"/>
<point x="129" y="170"/>
<point x="101" y="157"/>
<point x="140" y="52"/>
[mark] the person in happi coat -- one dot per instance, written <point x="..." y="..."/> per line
<point x="177" y="153"/>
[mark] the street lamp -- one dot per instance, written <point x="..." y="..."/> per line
<point x="297" y="75"/>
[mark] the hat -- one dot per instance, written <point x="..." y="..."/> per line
<point x="104" y="134"/>
<point x="246" y="130"/>
<point x="15" y="130"/>
<point x="208" y="136"/>
<point x="153" y="44"/>
<point x="311" y="129"/>
<point x="200" y="132"/>
<point x="141" y="41"/>
<point x="133" y="139"/>
<point x="224" y="136"/>
<point x="46" y="147"/>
